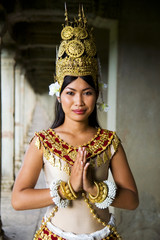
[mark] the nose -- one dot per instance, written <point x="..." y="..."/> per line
<point x="79" y="100"/>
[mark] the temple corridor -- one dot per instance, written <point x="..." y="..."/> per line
<point x="127" y="34"/>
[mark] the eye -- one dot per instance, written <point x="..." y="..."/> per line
<point x="88" y="93"/>
<point x="70" y="93"/>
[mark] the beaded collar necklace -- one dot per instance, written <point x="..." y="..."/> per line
<point x="100" y="142"/>
<point x="76" y="147"/>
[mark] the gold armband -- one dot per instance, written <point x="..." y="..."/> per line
<point x="102" y="192"/>
<point x="68" y="191"/>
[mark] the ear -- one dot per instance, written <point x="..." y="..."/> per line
<point x="59" y="99"/>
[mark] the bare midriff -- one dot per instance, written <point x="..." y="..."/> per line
<point x="78" y="219"/>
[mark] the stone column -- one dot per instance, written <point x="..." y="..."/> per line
<point x="29" y="106"/>
<point x="2" y="31"/>
<point x="7" y="98"/>
<point x="22" y="82"/>
<point x="1" y="231"/>
<point x="17" y="118"/>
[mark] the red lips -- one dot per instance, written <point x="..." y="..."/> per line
<point x="78" y="111"/>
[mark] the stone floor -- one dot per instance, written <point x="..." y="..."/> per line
<point x="21" y="225"/>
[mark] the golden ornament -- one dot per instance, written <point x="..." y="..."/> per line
<point x="75" y="48"/>
<point x="62" y="48"/>
<point x="80" y="33"/>
<point x="90" y="47"/>
<point x="67" y="33"/>
<point x="80" y="49"/>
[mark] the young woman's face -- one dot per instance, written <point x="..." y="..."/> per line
<point x="78" y="100"/>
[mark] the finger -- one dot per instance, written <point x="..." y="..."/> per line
<point x="85" y="170"/>
<point x="81" y="156"/>
<point x="79" y="160"/>
<point x="85" y="157"/>
<point x="76" y="168"/>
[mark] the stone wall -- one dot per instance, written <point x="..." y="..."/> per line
<point x="138" y="115"/>
<point x="48" y="104"/>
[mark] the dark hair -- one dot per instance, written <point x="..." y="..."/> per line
<point x="59" y="113"/>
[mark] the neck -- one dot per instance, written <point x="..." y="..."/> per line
<point x="74" y="126"/>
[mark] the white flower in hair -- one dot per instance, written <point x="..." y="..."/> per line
<point x="103" y="106"/>
<point x="54" y="88"/>
<point x="105" y="85"/>
<point x="102" y="85"/>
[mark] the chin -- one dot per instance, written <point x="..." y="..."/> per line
<point x="80" y="119"/>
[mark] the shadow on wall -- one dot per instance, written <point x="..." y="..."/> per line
<point x="143" y="223"/>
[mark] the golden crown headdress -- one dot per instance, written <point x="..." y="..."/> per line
<point x="77" y="51"/>
<point x="77" y="55"/>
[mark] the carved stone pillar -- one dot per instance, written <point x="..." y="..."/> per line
<point x="22" y="83"/>
<point x="29" y="106"/>
<point x="1" y="231"/>
<point x="18" y="123"/>
<point x="7" y="98"/>
<point x="2" y="31"/>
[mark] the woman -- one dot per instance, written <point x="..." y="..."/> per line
<point x="76" y="153"/>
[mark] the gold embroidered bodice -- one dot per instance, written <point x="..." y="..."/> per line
<point x="100" y="148"/>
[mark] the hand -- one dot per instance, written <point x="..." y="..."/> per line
<point x="76" y="178"/>
<point x="88" y="184"/>
<point x="87" y="178"/>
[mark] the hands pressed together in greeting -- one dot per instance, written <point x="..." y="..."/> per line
<point x="81" y="177"/>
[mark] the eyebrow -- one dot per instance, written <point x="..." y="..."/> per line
<point x="82" y="90"/>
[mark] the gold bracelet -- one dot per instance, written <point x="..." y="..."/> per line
<point x="71" y="189"/>
<point x="62" y="187"/>
<point x="101" y="194"/>
<point x="104" y="192"/>
<point x="66" y="191"/>
<point x="94" y="198"/>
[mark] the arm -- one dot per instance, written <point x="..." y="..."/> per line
<point x="24" y="196"/>
<point x="127" y="194"/>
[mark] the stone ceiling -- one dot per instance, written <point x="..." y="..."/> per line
<point x="34" y="27"/>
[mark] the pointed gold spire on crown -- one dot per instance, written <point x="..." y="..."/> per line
<point x="66" y="14"/>
<point x="80" y="16"/>
<point x="84" y="17"/>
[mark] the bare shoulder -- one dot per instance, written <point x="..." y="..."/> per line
<point x="33" y="159"/>
<point x="31" y="167"/>
<point x="119" y="161"/>
<point x="121" y="170"/>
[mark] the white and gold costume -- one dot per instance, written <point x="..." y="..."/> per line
<point x="80" y="216"/>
